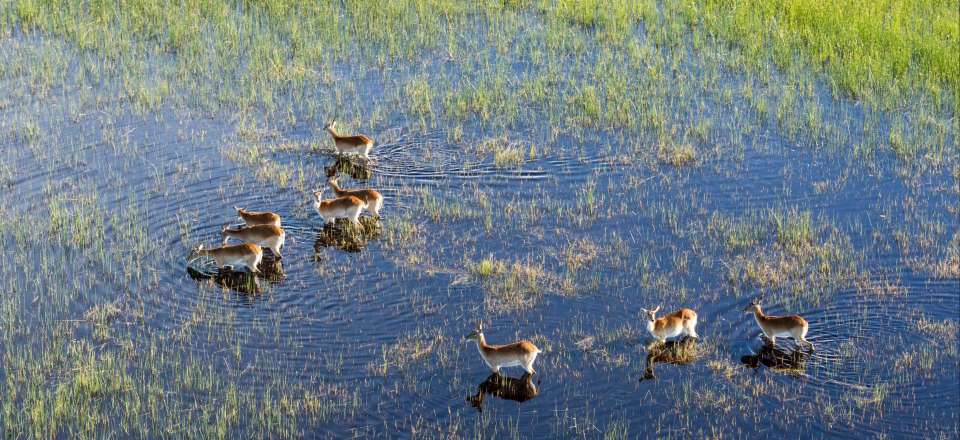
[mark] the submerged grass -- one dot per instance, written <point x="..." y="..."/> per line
<point x="510" y="286"/>
<point x="575" y="80"/>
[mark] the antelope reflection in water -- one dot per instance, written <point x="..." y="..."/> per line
<point x="242" y="282"/>
<point x="519" y="390"/>
<point x="771" y="356"/>
<point x="680" y="352"/>
<point x="357" y="171"/>
<point x="504" y="387"/>
<point x="346" y="237"/>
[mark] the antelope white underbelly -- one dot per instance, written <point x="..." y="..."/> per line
<point x="672" y="333"/>
<point x="235" y="262"/>
<point x="348" y="148"/>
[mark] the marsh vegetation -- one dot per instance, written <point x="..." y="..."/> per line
<point x="547" y="167"/>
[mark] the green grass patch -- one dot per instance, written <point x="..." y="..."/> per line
<point x="866" y="48"/>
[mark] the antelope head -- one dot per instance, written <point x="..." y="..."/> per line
<point x="331" y="126"/>
<point x="196" y="251"/>
<point x="225" y="232"/>
<point x="476" y="334"/>
<point x="754" y="305"/>
<point x="651" y="314"/>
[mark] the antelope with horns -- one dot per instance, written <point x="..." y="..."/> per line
<point x="683" y="322"/>
<point x="253" y="218"/>
<point x="517" y="354"/>
<point x="268" y="236"/>
<point x="246" y="255"/>
<point x="348" y="207"/>
<point x="773" y="326"/>
<point x="358" y="144"/>
<point x="373" y="197"/>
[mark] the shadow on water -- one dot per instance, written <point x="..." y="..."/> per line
<point x="682" y="352"/>
<point x="778" y="358"/>
<point x="504" y="387"/>
<point x="346" y="237"/>
<point x="242" y="282"/>
<point x="352" y="166"/>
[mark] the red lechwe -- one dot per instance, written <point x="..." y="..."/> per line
<point x="253" y="218"/>
<point x="373" y="197"/>
<point x="786" y="326"/>
<point x="348" y="207"/>
<point x="358" y="144"/>
<point x="517" y="354"/>
<point x="683" y="322"/>
<point x="238" y="255"/>
<point x="268" y="236"/>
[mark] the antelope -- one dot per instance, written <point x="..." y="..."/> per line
<point x="358" y="144"/>
<point x="229" y="257"/>
<point x="253" y="218"/>
<point x="772" y="326"/>
<point x="268" y="236"/>
<point x="348" y="207"/>
<point x="683" y="322"/>
<point x="517" y="354"/>
<point x="371" y="196"/>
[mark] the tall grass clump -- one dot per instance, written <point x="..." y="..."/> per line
<point x="610" y="16"/>
<point x="794" y="229"/>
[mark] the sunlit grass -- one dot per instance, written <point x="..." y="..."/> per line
<point x="612" y="90"/>
<point x="868" y="49"/>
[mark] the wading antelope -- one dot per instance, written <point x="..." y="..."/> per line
<point x="246" y="255"/>
<point x="683" y="322"/>
<point x="348" y="207"/>
<point x="517" y="354"/>
<point x="253" y="218"/>
<point x="371" y="196"/>
<point x="786" y="326"/>
<point x="268" y="236"/>
<point x="358" y="144"/>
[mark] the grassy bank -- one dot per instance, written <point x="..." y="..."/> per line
<point x="873" y="50"/>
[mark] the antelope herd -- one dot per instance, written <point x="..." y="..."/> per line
<point x="263" y="230"/>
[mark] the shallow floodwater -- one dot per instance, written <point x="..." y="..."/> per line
<point x="606" y="233"/>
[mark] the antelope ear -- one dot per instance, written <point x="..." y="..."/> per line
<point x="656" y="309"/>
